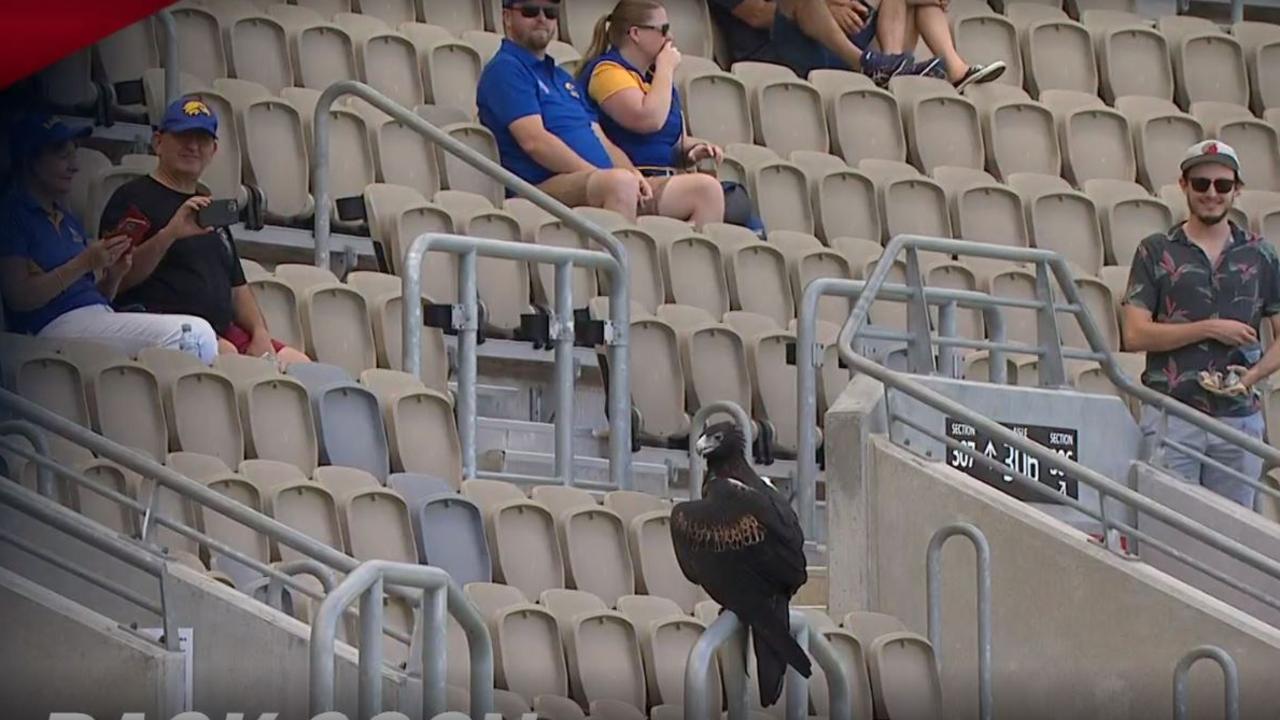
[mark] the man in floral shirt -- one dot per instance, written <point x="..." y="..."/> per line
<point x="1196" y="298"/>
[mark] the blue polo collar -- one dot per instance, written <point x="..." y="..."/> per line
<point x="29" y="203"/>
<point x="615" y="55"/>
<point x="526" y="57"/>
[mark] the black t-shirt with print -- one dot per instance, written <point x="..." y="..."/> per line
<point x="196" y="275"/>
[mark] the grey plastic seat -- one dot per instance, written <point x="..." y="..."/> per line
<point x="1128" y="213"/>
<point x="716" y="107"/>
<point x="1208" y="64"/>
<point x="863" y="120"/>
<point x="451" y="536"/>
<point x="1018" y="133"/>
<point x="1161" y="133"/>
<point x="844" y="199"/>
<point x="348" y="420"/>
<point x="230" y="532"/>
<point x="786" y="111"/>
<point x="593" y="542"/>
<point x="904" y="677"/>
<point x="942" y="126"/>
<point x="316" y="375"/>
<point x="1133" y="59"/>
<point x="522" y="536"/>
<point x="422" y="434"/>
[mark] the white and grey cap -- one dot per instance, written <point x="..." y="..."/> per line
<point x="1211" y="151"/>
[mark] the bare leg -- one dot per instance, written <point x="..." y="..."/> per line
<point x="892" y="21"/>
<point x="288" y="356"/>
<point x="226" y="348"/>
<point x="815" y="20"/>
<point x="694" y="197"/>
<point x="932" y="23"/>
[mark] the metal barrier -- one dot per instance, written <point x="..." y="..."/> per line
<point x="45" y="483"/>
<point x="697" y="466"/>
<point x="172" y="73"/>
<point x="934" y="580"/>
<point x="441" y="597"/>
<point x="809" y="360"/>
<point x="1230" y="681"/>
<point x="58" y="517"/>
<point x="1106" y="487"/>
<point x="467" y="322"/>
<point x="727" y="637"/>
<point x="619" y="400"/>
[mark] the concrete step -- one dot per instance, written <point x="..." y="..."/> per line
<point x="506" y="434"/>
<point x="592" y="472"/>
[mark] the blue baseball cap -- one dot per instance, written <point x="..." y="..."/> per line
<point x="34" y="132"/>
<point x="189" y="113"/>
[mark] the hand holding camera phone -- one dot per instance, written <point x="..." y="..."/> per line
<point x="219" y="213"/>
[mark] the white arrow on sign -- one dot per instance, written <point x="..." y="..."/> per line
<point x="990" y="451"/>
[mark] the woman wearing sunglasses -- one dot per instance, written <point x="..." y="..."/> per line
<point x="628" y="75"/>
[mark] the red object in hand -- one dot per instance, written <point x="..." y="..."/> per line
<point x="134" y="225"/>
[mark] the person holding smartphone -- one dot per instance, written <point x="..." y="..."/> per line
<point x="181" y="264"/>
<point x="56" y="281"/>
<point x="628" y="74"/>
<point x="1196" y="299"/>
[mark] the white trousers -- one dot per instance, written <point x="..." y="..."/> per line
<point x="132" y="331"/>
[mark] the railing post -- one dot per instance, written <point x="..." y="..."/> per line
<point x="467" y="362"/>
<point x="696" y="464"/>
<point x="45" y="482"/>
<point x="796" y="687"/>
<point x="1230" y="681"/>
<point x="919" y="348"/>
<point x="435" y="668"/>
<point x="934" y="590"/>
<point x="1053" y="372"/>
<point x="562" y="331"/>
<point x="948" y="357"/>
<point x="699" y="704"/>
<point x="172" y="73"/>
<point x="370" y="686"/>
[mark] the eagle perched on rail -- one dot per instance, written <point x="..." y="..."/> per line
<point x="743" y="544"/>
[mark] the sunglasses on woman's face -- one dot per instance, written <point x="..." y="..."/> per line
<point x="550" y="12"/>
<point x="1222" y="185"/>
<point x="664" y="28"/>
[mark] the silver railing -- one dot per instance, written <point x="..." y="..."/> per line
<point x="934" y="589"/>
<point x="322" y="561"/>
<point x="45" y="483"/>
<point x="441" y="597"/>
<point x="619" y="400"/>
<point x="56" y="516"/>
<point x="1107" y="488"/>
<point x="727" y="638"/>
<point x="698" y="466"/>
<point x="1230" y="682"/>
<point x="172" y="71"/>
<point x="466" y="321"/>
<point x="809" y="361"/>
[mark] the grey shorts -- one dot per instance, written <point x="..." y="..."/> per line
<point x="1192" y="469"/>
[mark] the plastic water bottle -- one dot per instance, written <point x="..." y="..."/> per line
<point x="187" y="342"/>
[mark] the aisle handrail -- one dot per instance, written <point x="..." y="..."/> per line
<point x="1230" y="681"/>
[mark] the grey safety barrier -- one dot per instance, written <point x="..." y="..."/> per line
<point x="466" y="320"/>
<point x="697" y="466"/>
<point x="727" y="637"/>
<point x="1230" y="681"/>
<point x="619" y="291"/>
<point x="934" y="588"/>
<point x="441" y="598"/>
<point x="44" y="478"/>
<point x="172" y="71"/>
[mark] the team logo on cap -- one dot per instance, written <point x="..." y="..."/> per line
<point x="193" y="108"/>
<point x="1211" y="149"/>
<point x="49" y="122"/>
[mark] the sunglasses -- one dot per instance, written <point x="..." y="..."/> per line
<point x="1222" y="185"/>
<point x="664" y="28"/>
<point x="549" y="12"/>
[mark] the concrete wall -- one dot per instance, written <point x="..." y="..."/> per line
<point x="61" y="656"/>
<point x="1077" y="631"/>
<point x="1234" y="521"/>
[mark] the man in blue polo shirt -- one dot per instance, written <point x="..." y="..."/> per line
<point x="545" y="132"/>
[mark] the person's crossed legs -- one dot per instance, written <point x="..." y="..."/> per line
<point x="903" y="22"/>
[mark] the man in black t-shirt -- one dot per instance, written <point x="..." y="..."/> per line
<point x="179" y="266"/>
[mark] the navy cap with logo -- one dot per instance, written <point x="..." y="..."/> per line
<point x="34" y="132"/>
<point x="189" y="114"/>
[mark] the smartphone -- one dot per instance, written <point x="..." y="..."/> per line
<point x="134" y="225"/>
<point x="219" y="213"/>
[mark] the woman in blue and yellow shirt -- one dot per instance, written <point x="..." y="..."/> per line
<point x="628" y="76"/>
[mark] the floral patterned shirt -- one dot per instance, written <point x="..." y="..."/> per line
<point x="1172" y="277"/>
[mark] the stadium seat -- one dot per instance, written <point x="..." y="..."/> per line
<point x="666" y="636"/>
<point x="1056" y="51"/>
<point x="556" y="233"/>
<point x="1161" y="134"/>
<point x="593" y="542"/>
<point x="1261" y="44"/>
<point x="201" y="51"/>
<point x="807" y="260"/>
<point x="451" y="67"/>
<point x="1061" y="219"/>
<point x="421" y="432"/>
<point x="335" y="320"/>
<point x="864" y="120"/>
<point x="323" y="53"/>
<point x="231" y="532"/>
<point x="605" y="661"/>
<point x="759" y="281"/>
<point x="984" y="210"/>
<point x="656" y="366"/>
<point x="983" y="37"/>
<point x="714" y="358"/>
<point x="904" y="676"/>
<point x="1098" y="299"/>
<point x="199" y="405"/>
<point x="457" y="16"/>
<point x="385" y="59"/>
<point x="391" y="12"/>
<point x="716" y="107"/>
<point x="382" y="297"/>
<point x="100" y="509"/>
<point x="957" y="276"/>
<point x="267" y="475"/>
<point x="450" y="529"/>
<point x="348" y="420"/>
<point x="910" y="203"/>
<point x="657" y="572"/>
<point x="344" y="481"/>
<point x="1257" y="143"/>
<point x="375" y="524"/>
<point x="1095" y="139"/>
<point x="279" y="305"/>
<point x="258" y="50"/>
<point x="781" y="194"/>
<point x="630" y="504"/>
<point x="1263" y="209"/>
<point x="1133" y="59"/>
<point x="1018" y="133"/>
<point x="844" y="200"/>
<point x="123" y="398"/>
<point x="397" y="216"/>
<point x="942" y="126"/>
<point x="275" y="158"/>
<point x="275" y="412"/>
<point x="351" y="159"/>
<point x="773" y="381"/>
<point x="102" y="187"/>
<point x="128" y="53"/>
<point x="647" y="275"/>
<point x="1208" y="64"/>
<point x="522" y="537"/>
<point x="310" y="509"/>
<point x="169" y="504"/>
<point x="529" y="652"/>
<point x="1127" y="213"/>
<point x="457" y="175"/>
<point x="786" y="111"/>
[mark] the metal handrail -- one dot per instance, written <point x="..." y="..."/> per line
<point x="697" y="466"/>
<point x="441" y="597"/>
<point x="1230" y="681"/>
<point x="934" y="588"/>
<point x="468" y="325"/>
<point x="809" y="359"/>
<point x="56" y="516"/>
<point x="45" y="483"/>
<point x="619" y="400"/>
<point x="727" y="637"/>
<point x="172" y="72"/>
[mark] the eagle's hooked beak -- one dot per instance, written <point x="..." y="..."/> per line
<point x="705" y="444"/>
